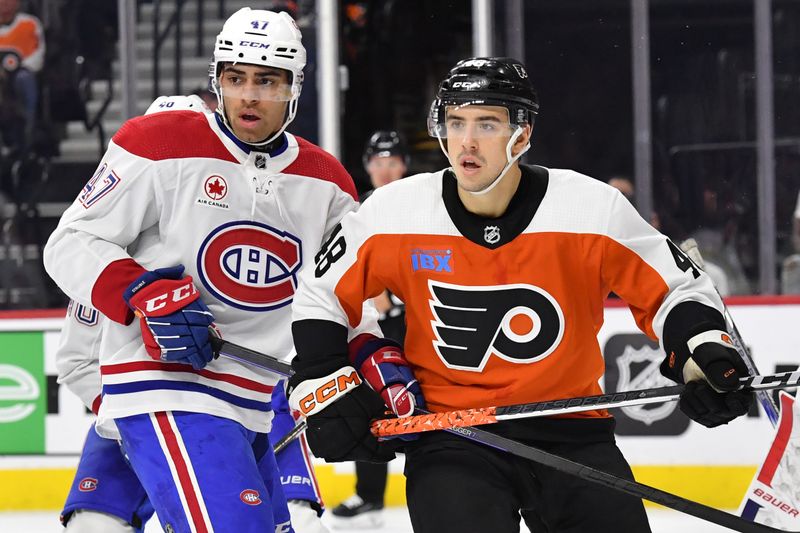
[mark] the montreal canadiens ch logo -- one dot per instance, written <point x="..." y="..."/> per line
<point x="250" y="497"/>
<point x="87" y="484"/>
<point x="518" y="323"/>
<point x="250" y="266"/>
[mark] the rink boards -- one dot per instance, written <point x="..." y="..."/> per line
<point x="42" y="425"/>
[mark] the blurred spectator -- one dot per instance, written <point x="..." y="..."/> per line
<point x="22" y="49"/>
<point x="721" y="263"/>
<point x="624" y="185"/>
<point x="790" y="270"/>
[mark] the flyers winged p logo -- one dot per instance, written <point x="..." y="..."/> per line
<point x="519" y="323"/>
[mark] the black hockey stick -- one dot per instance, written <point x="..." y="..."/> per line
<point x="291" y="435"/>
<point x="251" y="357"/>
<point x="627" y="486"/>
<point x="260" y="360"/>
<point x="561" y="464"/>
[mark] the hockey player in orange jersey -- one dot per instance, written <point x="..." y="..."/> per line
<point x="504" y="269"/>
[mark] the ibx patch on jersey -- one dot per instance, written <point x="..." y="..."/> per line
<point x="250" y="265"/>
<point x="519" y="323"/>
<point x="102" y="183"/>
<point x="215" y="189"/>
<point x="440" y="261"/>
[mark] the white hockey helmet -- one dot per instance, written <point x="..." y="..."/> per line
<point x="260" y="37"/>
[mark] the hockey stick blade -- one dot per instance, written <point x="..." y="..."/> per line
<point x="627" y="486"/>
<point x="489" y="415"/>
<point x="251" y="357"/>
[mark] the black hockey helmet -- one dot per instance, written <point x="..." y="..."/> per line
<point x="385" y="143"/>
<point x="493" y="81"/>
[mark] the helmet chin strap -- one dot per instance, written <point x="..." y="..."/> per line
<point x="291" y="110"/>
<point x="509" y="160"/>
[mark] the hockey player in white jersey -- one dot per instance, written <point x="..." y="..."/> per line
<point x="198" y="219"/>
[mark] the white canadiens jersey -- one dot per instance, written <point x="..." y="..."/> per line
<point x="176" y="188"/>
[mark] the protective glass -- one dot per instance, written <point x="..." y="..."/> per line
<point x="460" y="121"/>
<point x="271" y="88"/>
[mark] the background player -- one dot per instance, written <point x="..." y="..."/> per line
<point x="106" y="495"/>
<point x="224" y="198"/>
<point x="386" y="159"/>
<point x="504" y="269"/>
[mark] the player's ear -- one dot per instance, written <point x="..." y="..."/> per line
<point x="525" y="137"/>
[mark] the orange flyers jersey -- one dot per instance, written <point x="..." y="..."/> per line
<point x="501" y="311"/>
<point x="25" y="37"/>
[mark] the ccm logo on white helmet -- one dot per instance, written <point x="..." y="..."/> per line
<point x="253" y="44"/>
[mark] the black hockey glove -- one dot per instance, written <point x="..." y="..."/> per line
<point x="338" y="411"/>
<point x="711" y="374"/>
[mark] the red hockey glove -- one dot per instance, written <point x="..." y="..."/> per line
<point x="384" y="367"/>
<point x="173" y="319"/>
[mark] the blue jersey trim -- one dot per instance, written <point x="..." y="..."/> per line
<point x="155" y="384"/>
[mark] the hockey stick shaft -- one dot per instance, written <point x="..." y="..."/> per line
<point x="606" y="479"/>
<point x="291" y="435"/>
<point x="689" y="246"/>
<point x="489" y="415"/>
<point x="260" y="360"/>
<point x="251" y="357"/>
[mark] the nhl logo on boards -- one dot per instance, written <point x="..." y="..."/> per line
<point x="87" y="484"/>
<point x="491" y="234"/>
<point x="250" y="497"/>
<point x="632" y="362"/>
<point x="649" y="376"/>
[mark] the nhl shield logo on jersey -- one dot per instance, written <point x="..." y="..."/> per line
<point x="102" y="183"/>
<point x="491" y="234"/>
<point x="250" y="265"/>
<point x="519" y="323"/>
